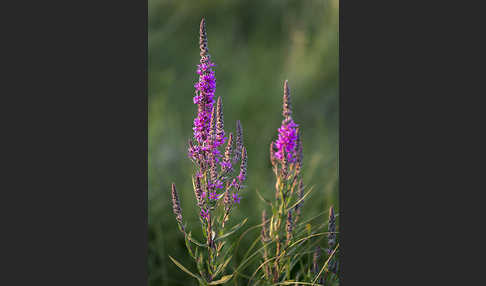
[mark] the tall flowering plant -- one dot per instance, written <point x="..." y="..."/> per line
<point x="285" y="240"/>
<point x="221" y="164"/>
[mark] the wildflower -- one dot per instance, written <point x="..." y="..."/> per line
<point x="287" y="133"/>
<point x="213" y="169"/>
<point x="204" y="89"/>
<point x="213" y="196"/>
<point x="236" y="198"/>
<point x="204" y="213"/>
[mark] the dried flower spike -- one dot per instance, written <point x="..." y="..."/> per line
<point x="273" y="159"/>
<point x="226" y="163"/>
<point x="176" y="206"/>
<point x="264" y="226"/>
<point x="289" y="226"/>
<point x="243" y="166"/>
<point x="227" y="200"/>
<point x="315" y="258"/>
<point x="198" y="191"/>
<point x="239" y="141"/>
<point x="299" y="152"/>
<point x="287" y="108"/>
<point x="331" y="237"/>
<point x="300" y="195"/>
<point x="219" y="123"/>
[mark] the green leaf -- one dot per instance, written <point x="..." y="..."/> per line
<point x="302" y="199"/>
<point x="325" y="264"/>
<point x="232" y="230"/>
<point x="222" y="266"/>
<point x="189" y="237"/>
<point x="262" y="198"/>
<point x="223" y="280"/>
<point x="187" y="271"/>
<point x="298" y="282"/>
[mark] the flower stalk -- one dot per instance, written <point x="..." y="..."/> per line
<point x="216" y="186"/>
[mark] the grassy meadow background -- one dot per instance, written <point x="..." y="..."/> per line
<point x="256" y="45"/>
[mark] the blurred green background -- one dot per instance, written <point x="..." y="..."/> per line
<point x="256" y="45"/>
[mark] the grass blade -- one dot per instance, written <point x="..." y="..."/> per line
<point x="233" y="230"/>
<point x="223" y="280"/>
<point x="187" y="271"/>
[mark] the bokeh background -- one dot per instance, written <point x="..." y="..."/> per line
<point x="256" y="45"/>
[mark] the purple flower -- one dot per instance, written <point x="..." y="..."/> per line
<point x="236" y="198"/>
<point x="287" y="138"/>
<point x="204" y="213"/>
<point x="216" y="185"/>
<point x="235" y="184"/>
<point x="204" y="98"/>
<point x="204" y="89"/>
<point x="287" y="133"/>
<point x="214" y="196"/>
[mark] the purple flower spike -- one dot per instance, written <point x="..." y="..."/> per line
<point x="287" y="133"/>
<point x="287" y="138"/>
<point x="205" y="89"/>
